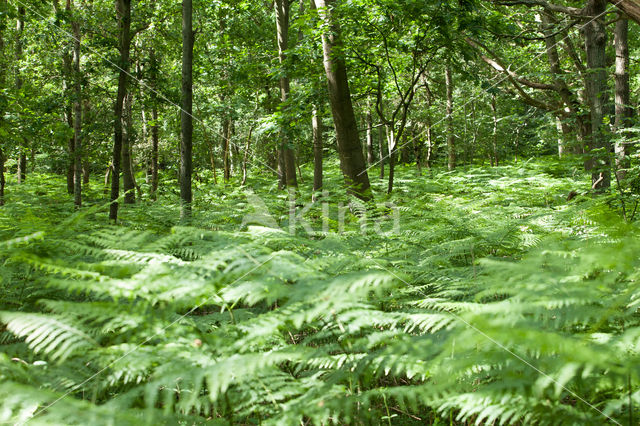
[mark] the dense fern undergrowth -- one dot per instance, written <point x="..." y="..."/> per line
<point x="475" y="297"/>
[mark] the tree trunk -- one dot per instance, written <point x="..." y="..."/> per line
<point x="2" y="180"/>
<point x="68" y="118"/>
<point x="186" y="115"/>
<point x="245" y="158"/>
<point x="154" y="127"/>
<point x="316" y="124"/>
<point x="451" y="147"/>
<point x="624" y="112"/>
<point x="282" y="9"/>
<point x="381" y="150"/>
<point x="630" y="7"/>
<point x="391" y="145"/>
<point x="595" y="46"/>
<point x="226" y="146"/>
<point x="2" y="84"/>
<point x="494" y="135"/>
<point x="77" y="115"/>
<point x="352" y="161"/>
<point x="370" y="158"/>
<point x="431" y="149"/>
<point x="123" y="10"/>
<point x="22" y="156"/>
<point x="128" y="184"/>
<point x="562" y="129"/>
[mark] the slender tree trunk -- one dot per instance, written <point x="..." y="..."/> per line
<point x="107" y="179"/>
<point x="2" y="180"/>
<point x="128" y="184"/>
<point x="123" y="10"/>
<point x="86" y="174"/>
<point x="352" y="161"/>
<point x="246" y="157"/>
<point x="282" y="8"/>
<point x="451" y="147"/>
<point x="370" y="158"/>
<point x="417" y="149"/>
<point x="316" y="124"/>
<point x="391" y="145"/>
<point x="186" y="123"/>
<point x="226" y="146"/>
<point x="431" y="148"/>
<point x="624" y="112"/>
<point x="22" y="156"/>
<point x="595" y="44"/>
<point x="494" y="135"/>
<point x="381" y="150"/>
<point x="68" y="117"/>
<point x="77" y="115"/>
<point x="154" y="127"/>
<point x="560" y="125"/>
<point x="3" y="81"/>
<point x="567" y="96"/>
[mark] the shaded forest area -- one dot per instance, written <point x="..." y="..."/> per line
<point x="319" y="212"/>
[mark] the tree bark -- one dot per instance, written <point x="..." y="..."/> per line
<point x="352" y="161"/>
<point x="624" y="111"/>
<point x="186" y="115"/>
<point x="451" y="143"/>
<point x="630" y="7"/>
<point x="282" y="9"/>
<point x="316" y="124"/>
<point x="2" y="84"/>
<point x="370" y="157"/>
<point x="68" y="117"/>
<point x="381" y="137"/>
<point x="494" y="134"/>
<point x="595" y="46"/>
<point x="154" y="127"/>
<point x="22" y="156"/>
<point x="2" y="180"/>
<point x="128" y="184"/>
<point x="123" y="11"/>
<point x="77" y="115"/>
<point x="226" y="146"/>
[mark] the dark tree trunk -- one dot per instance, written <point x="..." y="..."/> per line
<point x="282" y="8"/>
<point x="128" y="183"/>
<point x="352" y="161"/>
<point x="451" y="147"/>
<point x="624" y="112"/>
<point x="77" y="115"/>
<point x="123" y="10"/>
<point x="316" y="124"/>
<point x="186" y="123"/>
<point x="595" y="46"/>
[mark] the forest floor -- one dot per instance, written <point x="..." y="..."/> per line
<point x="475" y="294"/>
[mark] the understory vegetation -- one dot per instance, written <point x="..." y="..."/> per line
<point x="490" y="299"/>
